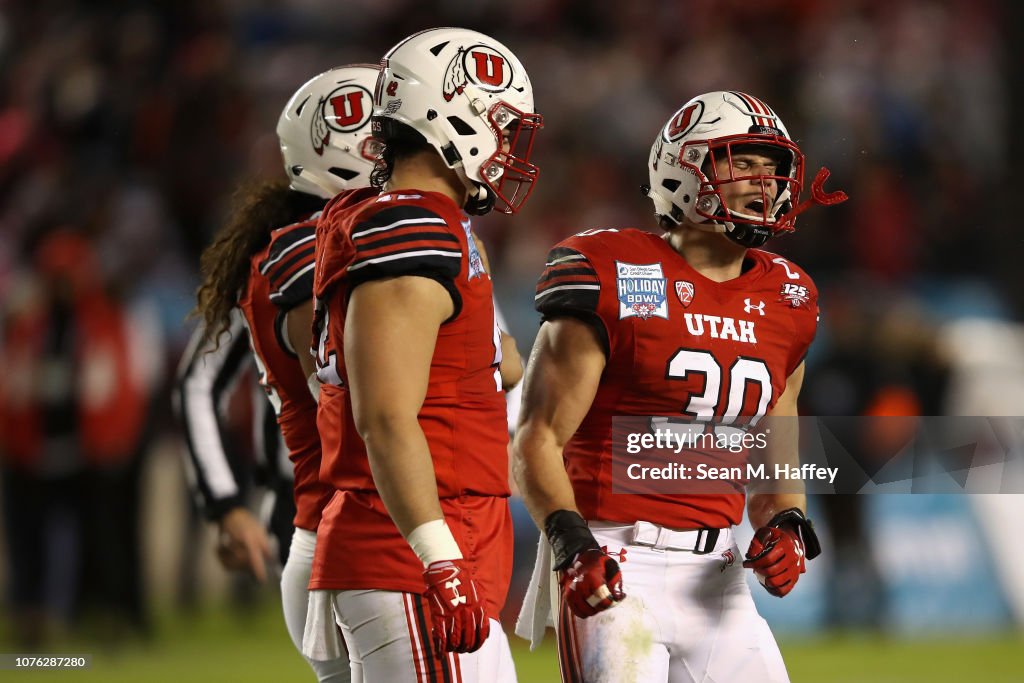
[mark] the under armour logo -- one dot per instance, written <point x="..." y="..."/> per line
<point x="728" y="558"/>
<point x="453" y="586"/>
<point x="748" y="307"/>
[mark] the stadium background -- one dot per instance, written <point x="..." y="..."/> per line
<point x="130" y="123"/>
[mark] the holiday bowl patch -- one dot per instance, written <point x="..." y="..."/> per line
<point x="641" y="290"/>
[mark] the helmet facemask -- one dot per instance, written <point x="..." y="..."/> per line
<point x="509" y="174"/>
<point x="762" y="217"/>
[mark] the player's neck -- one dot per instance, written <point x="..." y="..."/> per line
<point x="709" y="253"/>
<point x="426" y="171"/>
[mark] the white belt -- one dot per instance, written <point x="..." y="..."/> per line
<point x="697" y="541"/>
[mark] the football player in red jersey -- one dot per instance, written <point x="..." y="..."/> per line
<point x="697" y="320"/>
<point x="262" y="264"/>
<point x="414" y="553"/>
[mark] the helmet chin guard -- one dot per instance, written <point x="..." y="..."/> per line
<point x="481" y="203"/>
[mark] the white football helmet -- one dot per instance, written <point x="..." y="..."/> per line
<point x="325" y="131"/>
<point x="715" y="126"/>
<point x="465" y="93"/>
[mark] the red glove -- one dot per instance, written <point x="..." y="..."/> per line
<point x="777" y="557"/>
<point x="592" y="583"/>
<point x="457" y="616"/>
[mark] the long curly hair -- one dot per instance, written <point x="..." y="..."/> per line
<point x="257" y="209"/>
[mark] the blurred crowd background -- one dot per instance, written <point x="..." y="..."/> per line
<point x="125" y="127"/>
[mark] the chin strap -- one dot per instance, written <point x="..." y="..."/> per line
<point x="479" y="203"/>
<point x="818" y="196"/>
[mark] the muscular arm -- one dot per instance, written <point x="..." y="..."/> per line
<point x="782" y="448"/>
<point x="390" y="332"/>
<point x="561" y="381"/>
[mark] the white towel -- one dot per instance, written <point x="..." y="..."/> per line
<point x="321" y="640"/>
<point x="536" y="613"/>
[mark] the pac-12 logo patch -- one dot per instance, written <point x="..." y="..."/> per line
<point x="641" y="290"/>
<point x="684" y="290"/>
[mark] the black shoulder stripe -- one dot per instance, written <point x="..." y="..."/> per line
<point x="296" y="289"/>
<point x="395" y="217"/>
<point x="560" y="255"/>
<point x="286" y="243"/>
<point x="280" y="272"/>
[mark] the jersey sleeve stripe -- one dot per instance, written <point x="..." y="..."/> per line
<point x="562" y="288"/>
<point x="418" y="245"/>
<point x="282" y="290"/>
<point x="286" y="269"/>
<point x="408" y="234"/>
<point x="565" y="259"/>
<point x="569" y="270"/>
<point x="370" y="228"/>
<point x="303" y="239"/>
<point x="356" y="265"/>
<point x="560" y="255"/>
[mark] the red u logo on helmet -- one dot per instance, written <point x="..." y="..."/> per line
<point x="348" y="109"/>
<point x="490" y="68"/>
<point x="683" y="121"/>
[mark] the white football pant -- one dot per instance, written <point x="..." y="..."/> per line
<point x="687" y="618"/>
<point x="295" y="599"/>
<point x="387" y="634"/>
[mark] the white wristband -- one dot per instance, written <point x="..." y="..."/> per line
<point x="433" y="541"/>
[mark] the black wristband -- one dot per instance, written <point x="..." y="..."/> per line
<point x="569" y="535"/>
<point x="795" y="519"/>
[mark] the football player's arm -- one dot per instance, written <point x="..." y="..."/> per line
<point x="300" y="333"/>
<point x="561" y="381"/>
<point x="782" y="448"/>
<point x="784" y="538"/>
<point x="390" y="331"/>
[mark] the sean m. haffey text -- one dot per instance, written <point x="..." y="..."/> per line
<point x="733" y="440"/>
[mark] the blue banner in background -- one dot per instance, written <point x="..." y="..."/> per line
<point x="936" y="570"/>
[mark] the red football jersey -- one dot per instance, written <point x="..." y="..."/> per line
<point x="280" y="278"/>
<point x="677" y="343"/>
<point x="364" y="236"/>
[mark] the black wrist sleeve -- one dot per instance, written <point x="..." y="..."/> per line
<point x="569" y="536"/>
<point x="794" y="519"/>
